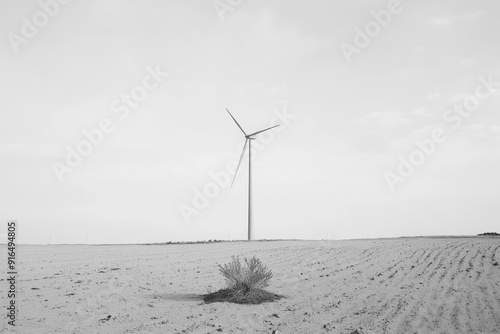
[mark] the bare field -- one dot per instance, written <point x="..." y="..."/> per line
<point x="405" y="285"/>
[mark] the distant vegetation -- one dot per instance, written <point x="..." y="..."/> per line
<point x="208" y="242"/>
<point x="489" y="234"/>
<point x="186" y="242"/>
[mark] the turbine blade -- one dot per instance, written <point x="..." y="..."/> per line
<point x="236" y="122"/>
<point x="241" y="158"/>
<point x="253" y="134"/>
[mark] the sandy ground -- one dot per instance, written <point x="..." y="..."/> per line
<point x="407" y="285"/>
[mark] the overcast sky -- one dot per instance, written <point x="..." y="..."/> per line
<point x="352" y="94"/>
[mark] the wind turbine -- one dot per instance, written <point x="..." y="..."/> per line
<point x="248" y="140"/>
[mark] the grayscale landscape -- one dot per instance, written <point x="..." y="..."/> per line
<point x="250" y="166"/>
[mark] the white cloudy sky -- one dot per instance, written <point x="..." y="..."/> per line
<point x="321" y="176"/>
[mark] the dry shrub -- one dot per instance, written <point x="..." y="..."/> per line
<point x="251" y="274"/>
<point x="245" y="283"/>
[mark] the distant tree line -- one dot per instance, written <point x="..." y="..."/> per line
<point x="489" y="234"/>
<point x="185" y="242"/>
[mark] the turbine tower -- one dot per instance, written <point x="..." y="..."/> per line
<point x="248" y="140"/>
